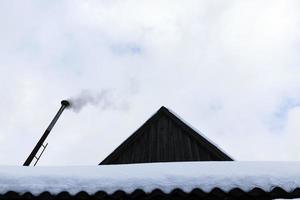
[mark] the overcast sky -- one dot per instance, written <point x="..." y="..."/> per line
<point x="229" y="68"/>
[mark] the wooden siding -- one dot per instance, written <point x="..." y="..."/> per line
<point x="165" y="138"/>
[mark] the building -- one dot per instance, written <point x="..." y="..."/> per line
<point x="164" y="159"/>
<point x="165" y="138"/>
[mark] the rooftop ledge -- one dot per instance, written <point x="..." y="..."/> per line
<point x="166" y="177"/>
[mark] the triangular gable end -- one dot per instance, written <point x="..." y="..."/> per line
<point x="165" y="138"/>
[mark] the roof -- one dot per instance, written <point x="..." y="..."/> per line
<point x="165" y="138"/>
<point x="181" y="179"/>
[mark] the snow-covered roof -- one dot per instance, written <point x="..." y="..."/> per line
<point x="166" y="177"/>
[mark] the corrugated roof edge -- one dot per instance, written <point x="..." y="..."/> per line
<point x="226" y="177"/>
<point x="216" y="193"/>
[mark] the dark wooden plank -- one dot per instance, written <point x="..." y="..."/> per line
<point x="179" y="151"/>
<point x="189" y="148"/>
<point x="195" y="150"/>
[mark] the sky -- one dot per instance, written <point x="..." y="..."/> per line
<point x="229" y="68"/>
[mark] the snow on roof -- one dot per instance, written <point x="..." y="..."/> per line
<point x="199" y="132"/>
<point x="164" y="176"/>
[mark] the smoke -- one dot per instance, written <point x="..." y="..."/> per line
<point x="86" y="97"/>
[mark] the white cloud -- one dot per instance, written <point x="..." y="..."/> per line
<point x="226" y="67"/>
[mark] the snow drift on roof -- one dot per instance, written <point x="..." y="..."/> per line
<point x="164" y="176"/>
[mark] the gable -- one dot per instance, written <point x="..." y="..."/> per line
<point x="165" y="138"/>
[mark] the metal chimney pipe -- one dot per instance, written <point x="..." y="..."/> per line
<point x="64" y="104"/>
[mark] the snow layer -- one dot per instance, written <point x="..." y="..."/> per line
<point x="165" y="176"/>
<point x="199" y="132"/>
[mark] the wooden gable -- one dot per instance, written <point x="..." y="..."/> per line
<point x="165" y="138"/>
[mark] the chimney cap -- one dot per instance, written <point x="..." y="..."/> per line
<point x="65" y="103"/>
